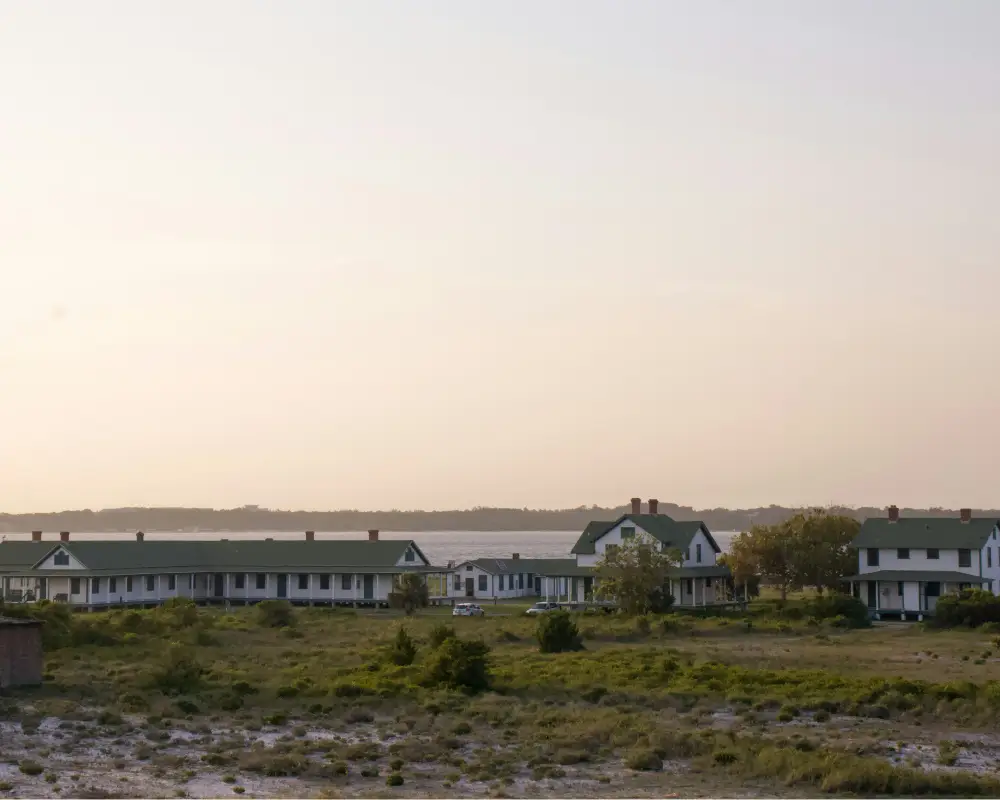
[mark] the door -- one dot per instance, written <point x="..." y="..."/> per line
<point x="282" y="586"/>
<point x="470" y="587"/>
<point x="219" y="583"/>
<point x="369" y="587"/>
<point x="872" y="594"/>
<point x="538" y="585"/>
<point x="931" y="594"/>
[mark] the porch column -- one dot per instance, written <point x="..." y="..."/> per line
<point x="902" y="603"/>
<point x="288" y="588"/>
<point x="378" y="583"/>
<point x="354" y="583"/>
<point x="246" y="587"/>
<point x="226" y="588"/>
<point x="310" y="589"/>
<point x="878" y="601"/>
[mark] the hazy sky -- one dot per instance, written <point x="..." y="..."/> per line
<point x="367" y="254"/>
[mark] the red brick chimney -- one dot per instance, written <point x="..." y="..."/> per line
<point x="654" y="506"/>
<point x="36" y="536"/>
<point x="966" y="514"/>
<point x="516" y="556"/>
<point x="64" y="536"/>
<point x="372" y="536"/>
<point x="893" y="514"/>
<point x="139" y="536"/>
<point x="636" y="505"/>
<point x="310" y="536"/>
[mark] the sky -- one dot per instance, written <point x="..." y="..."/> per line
<point x="370" y="254"/>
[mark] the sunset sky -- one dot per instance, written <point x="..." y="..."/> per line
<point x="370" y="254"/>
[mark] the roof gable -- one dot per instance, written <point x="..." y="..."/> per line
<point x="666" y="530"/>
<point x="943" y="533"/>
<point x="70" y="562"/>
<point x="15" y="556"/>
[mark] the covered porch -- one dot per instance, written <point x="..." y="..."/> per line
<point x="697" y="587"/>
<point x="905" y="594"/>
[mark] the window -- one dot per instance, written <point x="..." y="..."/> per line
<point x="690" y="586"/>
<point x="409" y="555"/>
<point x="112" y="585"/>
<point x="989" y="557"/>
<point x="899" y="588"/>
<point x="61" y="559"/>
<point x="964" y="558"/>
<point x="95" y="585"/>
<point x="697" y="553"/>
<point x="932" y="553"/>
<point x="872" y="556"/>
<point x="303" y="582"/>
<point x="171" y="583"/>
<point x="74" y="586"/>
<point x="903" y="553"/>
<point x="261" y="580"/>
<point x="520" y="580"/>
<point x="483" y="583"/>
<point x="345" y="581"/>
<point x="687" y="554"/>
<point x="628" y="533"/>
<point x="324" y="583"/>
<point x="458" y="583"/>
<point x="468" y="567"/>
<point x="150" y="583"/>
<point x="128" y="584"/>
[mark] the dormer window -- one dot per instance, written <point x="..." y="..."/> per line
<point x="628" y="533"/>
<point x="409" y="555"/>
<point x="61" y="559"/>
<point x="697" y="553"/>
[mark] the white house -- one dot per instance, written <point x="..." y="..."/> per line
<point x="98" y="574"/>
<point x="507" y="578"/>
<point x="905" y="564"/>
<point x="698" y="581"/>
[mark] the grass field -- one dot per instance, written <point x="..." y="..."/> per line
<point x="195" y="702"/>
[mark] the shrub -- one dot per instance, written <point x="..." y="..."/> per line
<point x="969" y="608"/>
<point x="394" y="779"/>
<point x="833" y="606"/>
<point x="31" y="768"/>
<point x="275" y="614"/>
<point x="179" y="673"/>
<point x="557" y="633"/>
<point x="439" y="634"/>
<point x="403" y="651"/>
<point x="459" y="664"/>
<point x="644" y="760"/>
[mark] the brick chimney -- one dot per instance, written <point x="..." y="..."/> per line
<point x="64" y="536"/>
<point x="516" y="556"/>
<point x="654" y="506"/>
<point x="372" y="536"/>
<point x="139" y="536"/>
<point x="36" y="536"/>
<point x="636" y="505"/>
<point x="310" y="536"/>
<point x="966" y="514"/>
<point x="893" y="514"/>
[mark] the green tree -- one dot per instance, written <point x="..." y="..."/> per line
<point x="557" y="633"/>
<point x="823" y="556"/>
<point x="767" y="551"/>
<point x="410" y="593"/>
<point x="635" y="576"/>
<point x="403" y="650"/>
<point x="459" y="664"/>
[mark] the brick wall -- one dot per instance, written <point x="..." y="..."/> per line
<point x="20" y="655"/>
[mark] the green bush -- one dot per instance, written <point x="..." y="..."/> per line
<point x="969" y="608"/>
<point x="275" y="614"/>
<point x="394" y="779"/>
<point x="439" y="634"/>
<point x="403" y="650"/>
<point x="179" y="673"/>
<point x="644" y="760"/>
<point x="459" y="664"/>
<point x="557" y="633"/>
<point x="833" y="606"/>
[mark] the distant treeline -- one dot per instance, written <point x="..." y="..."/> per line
<point x="252" y="518"/>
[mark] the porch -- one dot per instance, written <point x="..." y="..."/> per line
<point x="907" y="595"/>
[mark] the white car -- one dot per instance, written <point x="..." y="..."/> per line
<point x="467" y="610"/>
<point x="542" y="608"/>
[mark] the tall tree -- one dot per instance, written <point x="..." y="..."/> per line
<point x="635" y="576"/>
<point x="411" y="593"/>
<point x="767" y="551"/>
<point x="822" y="554"/>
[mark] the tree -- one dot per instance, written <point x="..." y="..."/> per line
<point x="403" y="650"/>
<point x="767" y="551"/>
<point x="410" y="593"/>
<point x="635" y="576"/>
<point x="557" y="633"/>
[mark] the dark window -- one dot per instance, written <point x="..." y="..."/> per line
<point x="261" y="580"/>
<point x="687" y="554"/>
<point x="932" y="552"/>
<point x="899" y="588"/>
<point x="324" y="583"/>
<point x="520" y="580"/>
<point x="345" y="581"/>
<point x="128" y="584"/>
<point x="690" y="586"/>
<point x="510" y="581"/>
<point x="303" y="582"/>
<point x="964" y="558"/>
<point x="458" y="583"/>
<point x="239" y="580"/>
<point x="171" y="583"/>
<point x="468" y="568"/>
<point x="95" y="585"/>
<point x="903" y="553"/>
<point x="409" y="555"/>
<point x="74" y="586"/>
<point x="989" y="557"/>
<point x="872" y="556"/>
<point x="697" y="553"/>
<point x="61" y="559"/>
<point x="483" y="583"/>
<point x="112" y="585"/>
<point x="150" y="583"/>
<point x="627" y="533"/>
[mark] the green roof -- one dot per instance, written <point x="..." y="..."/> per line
<point x="903" y="575"/>
<point x="714" y="571"/>
<point x="235" y="556"/>
<point x="670" y="532"/>
<point x="535" y="566"/>
<point x="943" y="533"/>
<point x="22" y="555"/>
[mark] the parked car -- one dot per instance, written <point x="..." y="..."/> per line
<point x="467" y="610"/>
<point x="542" y="608"/>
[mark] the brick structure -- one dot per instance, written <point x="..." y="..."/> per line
<point x="20" y="652"/>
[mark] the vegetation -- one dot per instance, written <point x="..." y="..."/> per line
<point x="557" y="633"/>
<point x="404" y="650"/>
<point x="635" y="575"/>
<point x="275" y="614"/>
<point x="410" y="594"/>
<point x="970" y="608"/>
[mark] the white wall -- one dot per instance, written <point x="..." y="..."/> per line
<point x="889" y="560"/>
<point x="707" y="552"/>
<point x="992" y="572"/>
<point x="614" y="536"/>
<point x="493" y="583"/>
<point x="49" y="562"/>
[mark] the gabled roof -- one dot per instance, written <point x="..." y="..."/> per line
<point x="535" y="566"/>
<point x="668" y="531"/>
<point x="233" y="556"/>
<point x="904" y="575"/>
<point x="943" y="533"/>
<point x="21" y="555"/>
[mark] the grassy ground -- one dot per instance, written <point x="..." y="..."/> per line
<point x="207" y="703"/>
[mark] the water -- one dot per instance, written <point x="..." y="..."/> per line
<point x="440" y="547"/>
